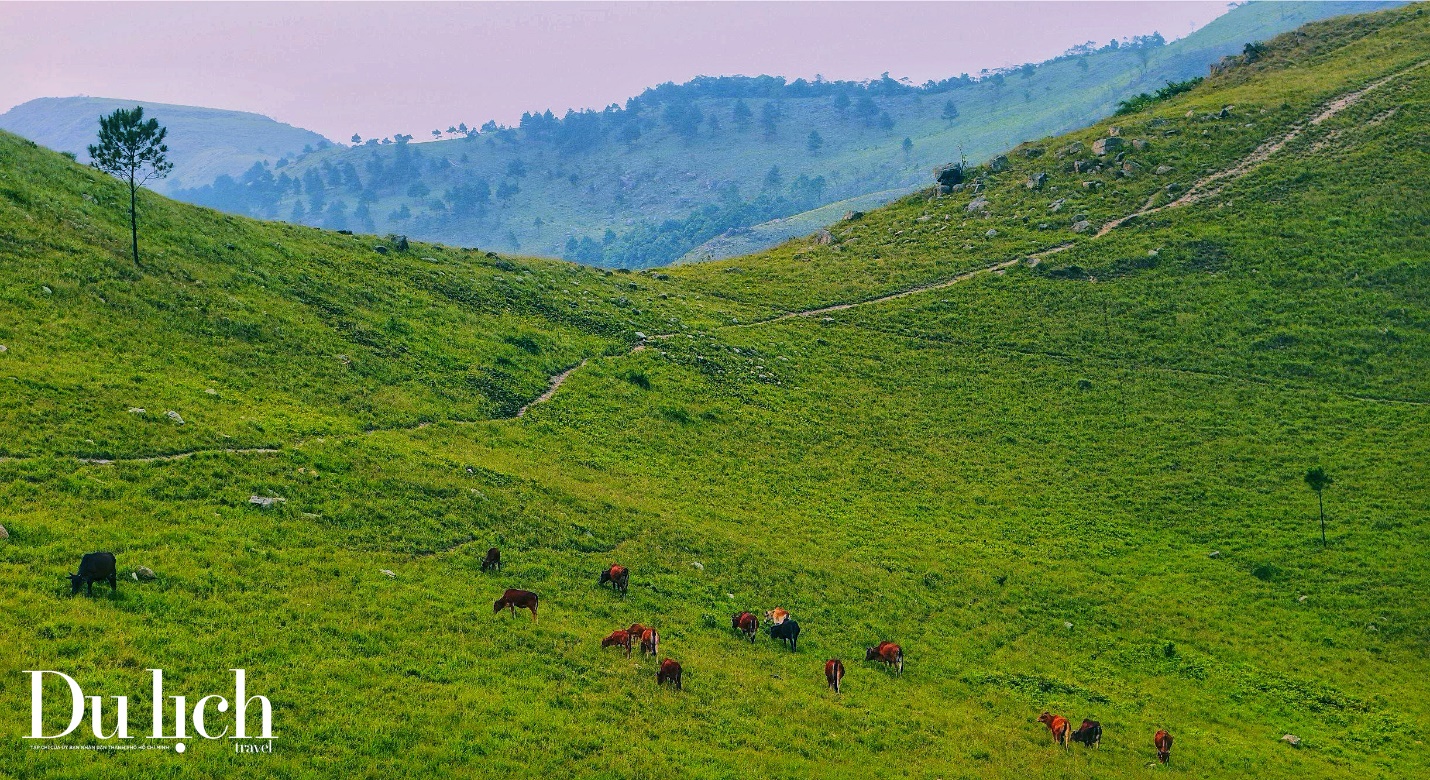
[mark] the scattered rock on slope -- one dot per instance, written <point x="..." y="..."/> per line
<point x="1037" y="180"/>
<point x="999" y="164"/>
<point x="1106" y="145"/>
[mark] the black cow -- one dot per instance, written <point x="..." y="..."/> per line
<point x="787" y="632"/>
<point x="1090" y="733"/>
<point x="493" y="559"/>
<point x="94" y="567"/>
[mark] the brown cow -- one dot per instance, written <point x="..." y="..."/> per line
<point x="833" y="673"/>
<point x="1163" y="741"/>
<point x="650" y="643"/>
<point x="1058" y="725"/>
<point x="618" y="575"/>
<point x="888" y="652"/>
<point x="777" y="615"/>
<point x="493" y="559"/>
<point x="513" y="598"/>
<point x="618" y="639"/>
<point x="637" y="630"/>
<point x="669" y="671"/>
<point x="747" y="623"/>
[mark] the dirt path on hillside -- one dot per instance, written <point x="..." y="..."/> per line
<point x="551" y="388"/>
<point x="178" y="456"/>
<point x="1203" y="188"/>
<point x="1033" y="259"/>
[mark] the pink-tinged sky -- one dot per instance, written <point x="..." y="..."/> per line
<point x="382" y="68"/>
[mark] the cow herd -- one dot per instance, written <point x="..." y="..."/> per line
<point x="783" y="627"/>
<point x="100" y="567"/>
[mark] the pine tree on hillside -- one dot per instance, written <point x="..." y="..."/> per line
<point x="742" y="115"/>
<point x="134" y="151"/>
<point x="768" y="115"/>
<point x="815" y="142"/>
<point x="950" y="112"/>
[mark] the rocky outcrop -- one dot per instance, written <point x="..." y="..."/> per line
<point x="948" y="175"/>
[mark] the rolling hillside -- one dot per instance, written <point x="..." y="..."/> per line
<point x="204" y="143"/>
<point x="648" y="183"/>
<point x="1048" y="438"/>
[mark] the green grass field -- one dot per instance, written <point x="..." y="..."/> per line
<point x="1021" y="477"/>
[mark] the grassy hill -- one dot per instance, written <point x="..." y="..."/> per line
<point x="1020" y="475"/>
<point x="648" y="183"/>
<point x="204" y="143"/>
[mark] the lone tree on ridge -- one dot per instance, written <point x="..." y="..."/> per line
<point x="132" y="150"/>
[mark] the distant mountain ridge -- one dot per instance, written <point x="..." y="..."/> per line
<point x="709" y="169"/>
<point x="204" y="143"/>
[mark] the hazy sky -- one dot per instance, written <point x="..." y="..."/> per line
<point x="381" y="68"/>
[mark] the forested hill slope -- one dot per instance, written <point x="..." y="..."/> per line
<point x="1050" y="439"/>
<point x="204" y="143"/>
<point x="645" y="184"/>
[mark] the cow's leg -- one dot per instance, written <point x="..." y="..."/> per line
<point x="89" y="587"/>
<point x="114" y="582"/>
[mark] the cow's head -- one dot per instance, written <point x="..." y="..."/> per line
<point x="76" y="582"/>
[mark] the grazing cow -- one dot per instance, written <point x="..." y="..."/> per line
<point x="650" y="643"/>
<point x="1089" y="733"/>
<point x="94" y="567"/>
<point x="891" y="654"/>
<point x="618" y="639"/>
<point x="747" y="623"/>
<point x="787" y="632"/>
<point x="618" y="575"/>
<point x="1163" y="741"/>
<point x="833" y="673"/>
<point x="669" y="672"/>
<point x="777" y="615"/>
<point x="1058" y="725"/>
<point x="637" y="630"/>
<point x="493" y="559"/>
<point x="513" y="598"/>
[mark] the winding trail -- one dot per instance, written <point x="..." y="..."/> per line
<point x="1203" y="188"/>
<point x="179" y="456"/>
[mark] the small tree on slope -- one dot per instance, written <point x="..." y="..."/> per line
<point x="1319" y="480"/>
<point x="132" y="150"/>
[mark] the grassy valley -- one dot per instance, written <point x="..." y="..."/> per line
<point x="1063" y="469"/>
